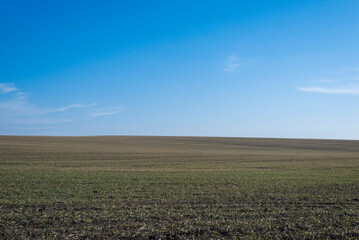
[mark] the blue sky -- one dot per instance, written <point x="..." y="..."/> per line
<point x="195" y="68"/>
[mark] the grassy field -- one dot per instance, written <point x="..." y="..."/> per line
<point x="178" y="188"/>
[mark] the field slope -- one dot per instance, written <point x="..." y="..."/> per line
<point x="122" y="187"/>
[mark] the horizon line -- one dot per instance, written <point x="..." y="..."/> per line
<point x="179" y="136"/>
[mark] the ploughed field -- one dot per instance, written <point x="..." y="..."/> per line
<point x="122" y="187"/>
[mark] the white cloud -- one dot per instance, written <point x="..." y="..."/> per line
<point x="16" y="109"/>
<point x="345" y="82"/>
<point x="7" y="88"/>
<point x="106" y="111"/>
<point x="232" y="63"/>
<point x="77" y="105"/>
<point x="341" y="90"/>
<point x="19" y="105"/>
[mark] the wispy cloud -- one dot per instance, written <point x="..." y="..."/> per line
<point x="341" y="90"/>
<point x="232" y="63"/>
<point x="106" y="111"/>
<point x="7" y="88"/>
<point x="77" y="105"/>
<point x="344" y="82"/>
<point x="16" y="109"/>
<point x="19" y="105"/>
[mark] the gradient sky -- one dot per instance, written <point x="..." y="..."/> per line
<point x="197" y="68"/>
